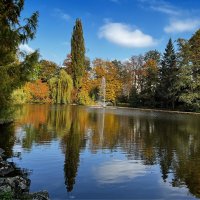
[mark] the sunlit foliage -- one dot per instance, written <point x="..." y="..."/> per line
<point x="61" y="87"/>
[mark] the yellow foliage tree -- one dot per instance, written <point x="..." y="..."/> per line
<point x="109" y="71"/>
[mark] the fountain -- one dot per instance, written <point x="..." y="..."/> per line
<point x="103" y="92"/>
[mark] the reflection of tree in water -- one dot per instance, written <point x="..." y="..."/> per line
<point x="44" y="123"/>
<point x="175" y="145"/>
<point x="171" y="141"/>
<point x="59" y="119"/>
<point x="7" y="138"/>
<point x="71" y="157"/>
<point x="73" y="141"/>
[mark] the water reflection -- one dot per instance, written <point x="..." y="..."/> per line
<point x="119" y="171"/>
<point x="145" y="139"/>
<point x="73" y="142"/>
<point x="7" y="139"/>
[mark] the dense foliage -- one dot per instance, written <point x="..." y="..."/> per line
<point x="14" y="71"/>
<point x="61" y="87"/>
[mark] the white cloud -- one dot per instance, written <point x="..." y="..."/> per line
<point x="178" y="26"/>
<point x="126" y="36"/>
<point x="119" y="171"/>
<point x="62" y="15"/>
<point x="166" y="10"/>
<point x="162" y="6"/>
<point x="25" y="48"/>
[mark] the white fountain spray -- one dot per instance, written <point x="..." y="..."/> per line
<point x="103" y="91"/>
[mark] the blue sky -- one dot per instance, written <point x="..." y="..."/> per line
<point x="113" y="29"/>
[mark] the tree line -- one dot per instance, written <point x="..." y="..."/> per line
<point x="153" y="80"/>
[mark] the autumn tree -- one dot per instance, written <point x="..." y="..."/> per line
<point x="68" y="64"/>
<point x="85" y="96"/>
<point x="131" y="76"/>
<point x="109" y="71"/>
<point x="39" y="91"/>
<point x="77" y="54"/>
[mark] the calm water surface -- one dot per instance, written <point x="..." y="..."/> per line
<point x="89" y="153"/>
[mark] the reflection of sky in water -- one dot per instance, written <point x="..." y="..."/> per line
<point x="19" y="134"/>
<point x="112" y="153"/>
<point x="119" y="171"/>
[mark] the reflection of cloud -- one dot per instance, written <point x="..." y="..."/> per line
<point x="119" y="171"/>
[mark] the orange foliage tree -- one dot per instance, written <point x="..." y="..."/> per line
<point x="39" y="91"/>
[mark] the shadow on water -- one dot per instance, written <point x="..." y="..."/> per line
<point x="7" y="139"/>
<point x="171" y="141"/>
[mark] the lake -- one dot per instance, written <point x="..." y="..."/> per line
<point x="77" y="152"/>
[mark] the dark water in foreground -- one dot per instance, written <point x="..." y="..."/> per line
<point x="82" y="152"/>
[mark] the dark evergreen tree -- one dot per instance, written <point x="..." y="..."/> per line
<point x="167" y="88"/>
<point x="78" y="54"/>
<point x="14" y="72"/>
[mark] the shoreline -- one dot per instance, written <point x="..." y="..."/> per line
<point x="147" y="109"/>
<point x="159" y="110"/>
<point x="15" y="183"/>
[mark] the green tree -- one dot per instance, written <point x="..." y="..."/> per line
<point x="194" y="43"/>
<point x="150" y="78"/>
<point x="167" y="89"/>
<point x="77" y="54"/>
<point x="185" y="74"/>
<point x="47" y="70"/>
<point x="153" y="55"/>
<point x="61" y="87"/>
<point x="12" y="71"/>
<point x="189" y="66"/>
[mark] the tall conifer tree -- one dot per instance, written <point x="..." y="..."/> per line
<point x="167" y="90"/>
<point x="77" y="54"/>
